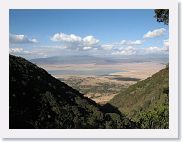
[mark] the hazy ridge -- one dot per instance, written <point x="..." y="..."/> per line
<point x="88" y="59"/>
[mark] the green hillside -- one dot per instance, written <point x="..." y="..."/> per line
<point x="39" y="101"/>
<point x="146" y="102"/>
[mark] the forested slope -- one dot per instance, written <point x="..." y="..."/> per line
<point x="146" y="102"/>
<point x="38" y="100"/>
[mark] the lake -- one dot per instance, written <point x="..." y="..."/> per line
<point x="98" y="72"/>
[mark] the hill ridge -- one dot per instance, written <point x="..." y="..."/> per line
<point x="147" y="101"/>
<point x="39" y="101"/>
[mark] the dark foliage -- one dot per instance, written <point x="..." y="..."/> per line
<point x="39" y="101"/>
<point x="162" y="15"/>
<point x="147" y="101"/>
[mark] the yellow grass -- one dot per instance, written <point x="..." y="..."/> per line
<point x="133" y="70"/>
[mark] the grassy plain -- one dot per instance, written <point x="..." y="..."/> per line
<point x="103" y="88"/>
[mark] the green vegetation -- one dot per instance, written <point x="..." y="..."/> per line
<point x="39" y="101"/>
<point x="155" y="119"/>
<point x="146" y="102"/>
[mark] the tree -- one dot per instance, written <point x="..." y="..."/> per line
<point x="162" y="15"/>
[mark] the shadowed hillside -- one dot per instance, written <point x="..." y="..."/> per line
<point x="147" y="102"/>
<point x="38" y="100"/>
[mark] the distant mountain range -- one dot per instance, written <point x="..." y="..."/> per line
<point x="82" y="59"/>
<point x="87" y="59"/>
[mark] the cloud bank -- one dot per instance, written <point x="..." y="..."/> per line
<point x="154" y="33"/>
<point x="130" y="50"/>
<point x="74" y="44"/>
<point x="21" y="39"/>
<point x="130" y="42"/>
<point x="15" y="50"/>
<point x="73" y="41"/>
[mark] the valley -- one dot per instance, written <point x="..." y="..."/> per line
<point x="90" y="69"/>
<point x="96" y="83"/>
<point x="137" y="97"/>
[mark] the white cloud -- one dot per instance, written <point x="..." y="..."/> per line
<point x="87" y="48"/>
<point x="21" y="39"/>
<point x="140" y="51"/>
<point x="81" y="45"/>
<point x="38" y="53"/>
<point x="166" y="44"/>
<point x="122" y="44"/>
<point x="58" y="47"/>
<point x="152" y="50"/>
<point x="72" y="41"/>
<point x="15" y="50"/>
<point x="130" y="42"/>
<point x="62" y="47"/>
<point x="94" y="49"/>
<point x="157" y="50"/>
<point x="90" y="40"/>
<point x="125" y="51"/>
<point x="154" y="33"/>
<point x="71" y="38"/>
<point x="19" y="51"/>
<point x="107" y="46"/>
<point x="61" y="37"/>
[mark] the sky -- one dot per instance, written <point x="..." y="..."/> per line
<point x="113" y="33"/>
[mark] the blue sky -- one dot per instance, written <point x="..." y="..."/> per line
<point x="43" y="33"/>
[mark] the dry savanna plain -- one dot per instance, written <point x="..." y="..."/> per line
<point x="103" y="87"/>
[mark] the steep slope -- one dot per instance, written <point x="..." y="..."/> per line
<point x="38" y="100"/>
<point x="146" y="102"/>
